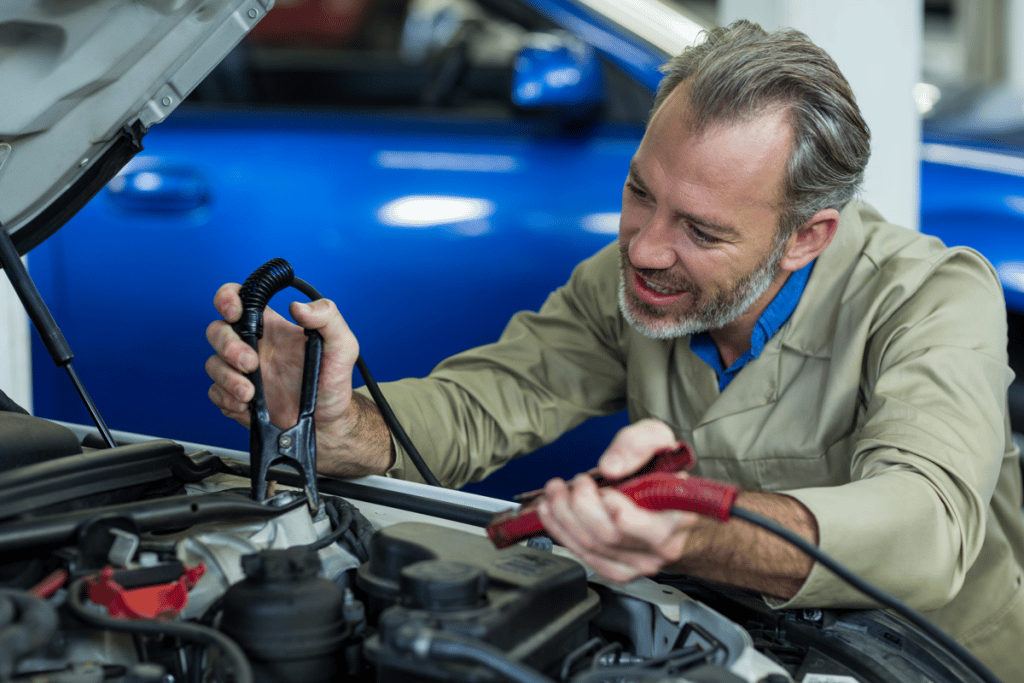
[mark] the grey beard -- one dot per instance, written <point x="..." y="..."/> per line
<point x="719" y="312"/>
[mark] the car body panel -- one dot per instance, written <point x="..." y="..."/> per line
<point x="413" y="292"/>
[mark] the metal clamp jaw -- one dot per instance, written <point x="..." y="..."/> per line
<point x="268" y="444"/>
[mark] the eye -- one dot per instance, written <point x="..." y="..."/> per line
<point x="702" y="237"/>
<point x="637" y="191"/>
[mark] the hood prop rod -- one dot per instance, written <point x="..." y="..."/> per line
<point x="45" y="325"/>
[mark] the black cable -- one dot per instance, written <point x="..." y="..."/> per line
<point x="430" y="644"/>
<point x="177" y="629"/>
<point x="871" y="591"/>
<point x="340" y="520"/>
<point x="385" y="408"/>
<point x="674" y="663"/>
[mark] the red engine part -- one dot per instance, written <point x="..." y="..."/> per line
<point x="143" y="602"/>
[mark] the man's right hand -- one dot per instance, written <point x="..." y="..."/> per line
<point x="352" y="439"/>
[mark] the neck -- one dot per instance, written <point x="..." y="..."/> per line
<point x="733" y="339"/>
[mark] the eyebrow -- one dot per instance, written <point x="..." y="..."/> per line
<point x="720" y="228"/>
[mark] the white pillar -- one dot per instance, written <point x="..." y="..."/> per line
<point x="1015" y="43"/>
<point x="15" y="347"/>
<point x="877" y="45"/>
<point x="982" y="27"/>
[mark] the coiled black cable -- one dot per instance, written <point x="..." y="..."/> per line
<point x="256" y="292"/>
<point x="175" y="629"/>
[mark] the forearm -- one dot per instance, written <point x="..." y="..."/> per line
<point x="356" y="444"/>
<point x="740" y="554"/>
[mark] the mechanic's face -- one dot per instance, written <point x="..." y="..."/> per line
<point x="699" y="217"/>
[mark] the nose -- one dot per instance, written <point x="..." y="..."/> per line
<point x="653" y="245"/>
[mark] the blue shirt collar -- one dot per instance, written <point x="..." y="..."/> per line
<point x="774" y="316"/>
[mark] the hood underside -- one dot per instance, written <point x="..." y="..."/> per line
<point x="82" y="82"/>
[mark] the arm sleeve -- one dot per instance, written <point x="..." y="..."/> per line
<point x="933" y="438"/>
<point x="549" y="371"/>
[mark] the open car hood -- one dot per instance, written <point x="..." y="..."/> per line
<point x="82" y="82"/>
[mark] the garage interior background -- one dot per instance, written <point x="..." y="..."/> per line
<point x="898" y="55"/>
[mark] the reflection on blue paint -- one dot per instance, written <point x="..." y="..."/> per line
<point x="425" y="211"/>
<point x="447" y="161"/>
<point x="601" y="223"/>
<point x="1011" y="274"/>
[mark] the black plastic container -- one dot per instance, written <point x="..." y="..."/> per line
<point x="287" y="619"/>
<point x="530" y="606"/>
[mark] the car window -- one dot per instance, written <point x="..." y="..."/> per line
<point x="416" y="55"/>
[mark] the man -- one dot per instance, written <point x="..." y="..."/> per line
<point x="849" y="375"/>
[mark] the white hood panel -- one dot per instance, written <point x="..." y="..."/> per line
<point x="75" y="73"/>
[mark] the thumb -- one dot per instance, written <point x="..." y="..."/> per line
<point x="322" y="315"/>
<point x="634" y="446"/>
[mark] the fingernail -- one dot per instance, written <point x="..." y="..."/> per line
<point x="305" y="308"/>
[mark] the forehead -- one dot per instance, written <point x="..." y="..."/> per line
<point x="732" y="165"/>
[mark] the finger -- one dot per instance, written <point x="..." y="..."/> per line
<point x="229" y="406"/>
<point x="323" y="316"/>
<point x="576" y="511"/>
<point x="568" y="536"/>
<point x="230" y="347"/>
<point x="658" y="538"/>
<point x="555" y="489"/>
<point x="634" y="446"/>
<point x="234" y="387"/>
<point x="619" y="572"/>
<point x="227" y="302"/>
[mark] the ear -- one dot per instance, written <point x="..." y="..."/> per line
<point x="810" y="239"/>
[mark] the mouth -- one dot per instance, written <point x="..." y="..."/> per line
<point x="654" y="294"/>
<point x="657" y="288"/>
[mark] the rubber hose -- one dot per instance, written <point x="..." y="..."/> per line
<point x="454" y="647"/>
<point x="178" y="629"/>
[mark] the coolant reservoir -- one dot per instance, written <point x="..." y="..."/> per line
<point x="286" y="617"/>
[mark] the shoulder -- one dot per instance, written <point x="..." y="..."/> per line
<point x="595" y="281"/>
<point x="877" y="278"/>
<point x="910" y="264"/>
<point x="874" y="260"/>
<point x="911" y="283"/>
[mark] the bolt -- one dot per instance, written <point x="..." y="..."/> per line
<point x="166" y="101"/>
<point x="253" y="14"/>
<point x="812" y="614"/>
<point x="285" y="441"/>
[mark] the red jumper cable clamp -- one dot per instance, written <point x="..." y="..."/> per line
<point x="654" y="487"/>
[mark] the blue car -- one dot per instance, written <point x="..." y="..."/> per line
<point x="433" y="167"/>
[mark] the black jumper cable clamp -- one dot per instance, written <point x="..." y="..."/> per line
<point x="268" y="444"/>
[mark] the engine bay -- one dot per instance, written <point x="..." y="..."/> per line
<point x="151" y="562"/>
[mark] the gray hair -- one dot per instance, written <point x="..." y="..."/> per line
<point x="739" y="71"/>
